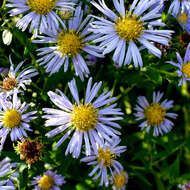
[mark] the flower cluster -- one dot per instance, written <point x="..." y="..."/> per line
<point x="70" y="39"/>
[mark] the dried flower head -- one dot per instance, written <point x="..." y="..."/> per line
<point x="30" y="150"/>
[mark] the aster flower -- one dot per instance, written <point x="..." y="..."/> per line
<point x="90" y="119"/>
<point x="185" y="186"/>
<point x="16" y="80"/>
<point x="155" y="114"/>
<point x="49" y="181"/>
<point x="13" y="118"/>
<point x="119" y="180"/>
<point x="184" y="66"/>
<point x="184" y="20"/>
<point x="104" y="158"/>
<point x="39" y="14"/>
<point x="8" y="174"/>
<point x="179" y="6"/>
<point x="69" y="44"/>
<point x="121" y="33"/>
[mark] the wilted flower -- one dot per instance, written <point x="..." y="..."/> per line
<point x="104" y="157"/>
<point x="69" y="44"/>
<point x="40" y="13"/>
<point x="85" y="118"/>
<point x="30" y="150"/>
<point x="155" y="114"/>
<point x="49" y="181"/>
<point x="121" y="33"/>
<point x="13" y="118"/>
<point x="184" y="66"/>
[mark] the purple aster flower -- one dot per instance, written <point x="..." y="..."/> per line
<point x="89" y="120"/>
<point x="185" y="186"/>
<point x="6" y="169"/>
<point x="155" y="114"/>
<point x="49" y="181"/>
<point x="121" y="32"/>
<point x="119" y="180"/>
<point x="13" y="119"/>
<point x="184" y="66"/>
<point x="179" y="6"/>
<point x="39" y="14"/>
<point x="104" y="158"/>
<point x="69" y="44"/>
<point x="184" y="20"/>
<point x="16" y="80"/>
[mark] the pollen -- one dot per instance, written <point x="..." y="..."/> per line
<point x="9" y="84"/>
<point x="70" y="43"/>
<point x="129" y="27"/>
<point x="46" y="182"/>
<point x="183" y="18"/>
<point x="42" y="7"/>
<point x="186" y="69"/>
<point x="155" y="114"/>
<point x="107" y="156"/>
<point x="11" y="118"/>
<point x="84" y="117"/>
<point x="120" y="180"/>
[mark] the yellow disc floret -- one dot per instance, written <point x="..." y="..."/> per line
<point x="129" y="27"/>
<point x="155" y="114"/>
<point x="186" y="69"/>
<point x="183" y="18"/>
<point x="9" y="84"/>
<point x="84" y="117"/>
<point x="120" y="180"/>
<point x="42" y="7"/>
<point x="107" y="156"/>
<point x="11" y="118"/>
<point x="69" y="43"/>
<point x="46" y="182"/>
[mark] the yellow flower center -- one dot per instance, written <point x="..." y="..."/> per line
<point x="9" y="84"/>
<point x="155" y="114"/>
<point x="42" y="7"/>
<point x="119" y="180"/>
<point x="84" y="117"/>
<point x="129" y="27"/>
<point x="106" y="156"/>
<point x="183" y="18"/>
<point x="186" y="69"/>
<point x="46" y="182"/>
<point x="69" y="43"/>
<point x="11" y="118"/>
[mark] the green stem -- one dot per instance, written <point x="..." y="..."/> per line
<point x="165" y="157"/>
<point x="163" y="72"/>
